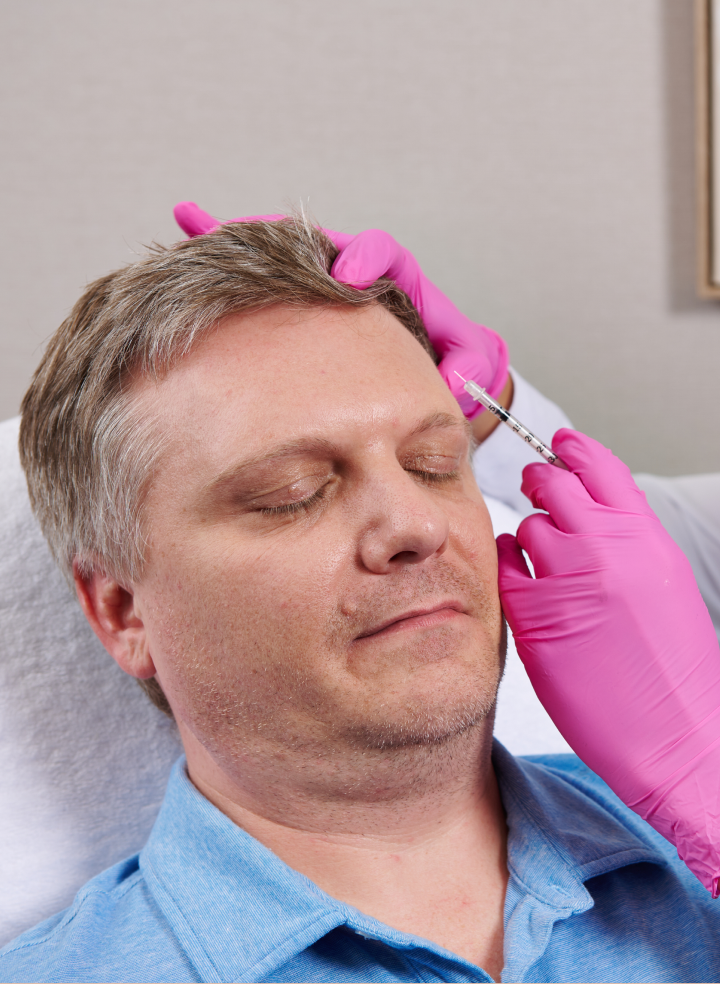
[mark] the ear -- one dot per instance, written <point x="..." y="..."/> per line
<point x="112" y="611"/>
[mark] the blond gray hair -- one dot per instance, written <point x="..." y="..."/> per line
<point x="87" y="453"/>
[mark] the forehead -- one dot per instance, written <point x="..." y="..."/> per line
<point x="280" y="372"/>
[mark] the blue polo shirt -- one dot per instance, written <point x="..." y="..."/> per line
<point x="594" y="895"/>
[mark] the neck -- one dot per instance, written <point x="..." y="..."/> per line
<point x="339" y="789"/>
<point x="413" y="836"/>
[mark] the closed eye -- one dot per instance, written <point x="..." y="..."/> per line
<point x="434" y="467"/>
<point x="293" y="507"/>
<point x="434" y="478"/>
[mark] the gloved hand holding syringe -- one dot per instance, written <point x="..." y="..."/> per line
<point x="618" y="644"/>
<point x="613" y="611"/>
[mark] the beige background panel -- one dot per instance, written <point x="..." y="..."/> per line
<point x="537" y="158"/>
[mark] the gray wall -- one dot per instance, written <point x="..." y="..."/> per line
<point x="536" y="156"/>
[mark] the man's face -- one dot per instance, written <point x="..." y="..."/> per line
<point x="321" y="565"/>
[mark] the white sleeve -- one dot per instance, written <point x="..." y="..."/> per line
<point x="689" y="509"/>
<point x="499" y="460"/>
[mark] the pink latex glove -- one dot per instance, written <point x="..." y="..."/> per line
<point x="619" y="645"/>
<point x="476" y="352"/>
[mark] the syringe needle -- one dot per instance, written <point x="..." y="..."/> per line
<point x="482" y="396"/>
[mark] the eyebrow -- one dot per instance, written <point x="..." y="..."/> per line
<point x="443" y="419"/>
<point x="322" y="447"/>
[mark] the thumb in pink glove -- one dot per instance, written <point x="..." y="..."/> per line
<point x="473" y="351"/>
<point x="619" y="645"/>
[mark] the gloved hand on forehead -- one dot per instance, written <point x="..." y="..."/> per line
<point x="619" y="645"/>
<point x="476" y="352"/>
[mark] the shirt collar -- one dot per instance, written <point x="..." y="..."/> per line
<point x="564" y="827"/>
<point x="240" y="912"/>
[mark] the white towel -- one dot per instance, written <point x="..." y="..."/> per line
<point x="85" y="755"/>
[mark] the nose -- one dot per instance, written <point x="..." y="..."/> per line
<point x="407" y="525"/>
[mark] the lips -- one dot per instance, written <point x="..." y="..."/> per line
<point x="416" y="618"/>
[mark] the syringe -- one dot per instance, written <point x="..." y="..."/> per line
<point x="482" y="396"/>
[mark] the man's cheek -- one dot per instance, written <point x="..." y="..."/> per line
<point x="474" y="539"/>
<point x="299" y="574"/>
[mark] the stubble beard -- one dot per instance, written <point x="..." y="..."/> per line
<point x="376" y="732"/>
<point x="425" y="723"/>
<point x="432" y="727"/>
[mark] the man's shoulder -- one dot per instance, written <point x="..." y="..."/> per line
<point x="592" y="822"/>
<point x="571" y="769"/>
<point x="565" y="778"/>
<point x="112" y="924"/>
<point x="566" y="775"/>
<point x="583" y="815"/>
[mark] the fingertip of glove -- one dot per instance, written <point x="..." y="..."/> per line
<point x="469" y="365"/>
<point x="193" y="220"/>
<point x="578" y="450"/>
<point x="532" y="478"/>
<point x="510" y="557"/>
<point x="364" y="259"/>
<point x="346" y="270"/>
<point x="606" y="477"/>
